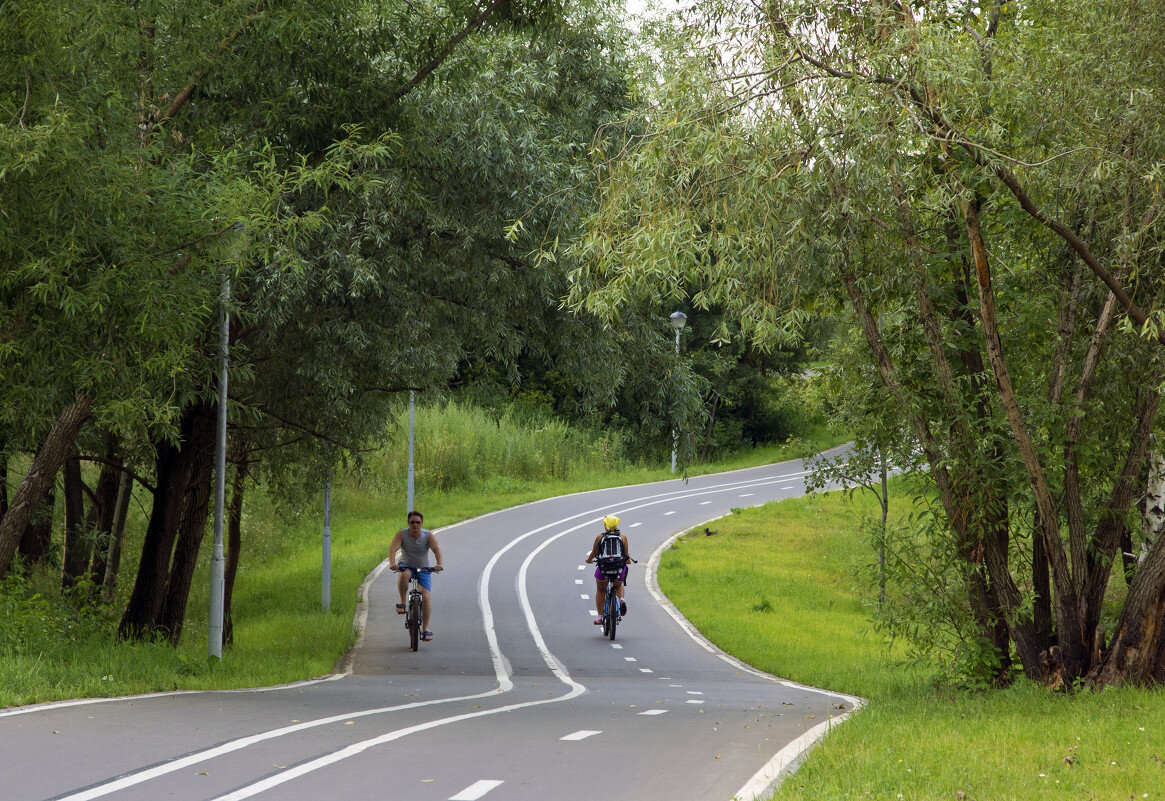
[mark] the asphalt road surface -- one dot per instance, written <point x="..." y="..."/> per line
<point x="518" y="697"/>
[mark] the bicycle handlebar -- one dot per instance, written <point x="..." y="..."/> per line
<point x="417" y="569"/>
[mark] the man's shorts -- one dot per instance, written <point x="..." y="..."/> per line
<point x="424" y="579"/>
<point x="622" y="576"/>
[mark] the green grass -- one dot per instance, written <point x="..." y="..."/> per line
<point x="798" y="612"/>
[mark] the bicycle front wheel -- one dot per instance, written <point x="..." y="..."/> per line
<point x="414" y="623"/>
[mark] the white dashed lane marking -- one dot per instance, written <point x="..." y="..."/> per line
<point x="694" y="701"/>
<point x="694" y="692"/>
<point x="672" y="512"/>
<point x="633" y="525"/>
<point x="585" y="597"/>
<point x="646" y="670"/>
<point x="654" y="712"/>
<point x="746" y="495"/>
<point x="616" y="646"/>
<point x="476" y="790"/>
<point x="631" y="659"/>
<point x="578" y="581"/>
<point x="580" y="735"/>
<point x="704" y="503"/>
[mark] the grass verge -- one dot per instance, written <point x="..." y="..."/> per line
<point x="797" y="611"/>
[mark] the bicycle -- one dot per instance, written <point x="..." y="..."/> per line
<point x="611" y="567"/>
<point x="414" y="606"/>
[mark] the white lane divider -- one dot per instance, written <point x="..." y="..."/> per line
<point x="694" y="692"/>
<point x="646" y="670"/>
<point x="672" y="512"/>
<point x="694" y="701"/>
<point x="704" y="503"/>
<point x="635" y="525"/>
<point x="631" y="659"/>
<point x="476" y="790"/>
<point x="654" y="712"/>
<point x="578" y="581"/>
<point x="582" y="734"/>
<point x="617" y="646"/>
<point x="585" y="597"/>
<point x="746" y="495"/>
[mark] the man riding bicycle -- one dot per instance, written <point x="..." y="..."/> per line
<point x="413" y="544"/>
<point x="610" y="545"/>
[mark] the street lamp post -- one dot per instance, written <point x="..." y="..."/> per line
<point x="678" y="320"/>
<point x="409" y="489"/>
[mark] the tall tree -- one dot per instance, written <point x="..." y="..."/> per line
<point x="989" y="218"/>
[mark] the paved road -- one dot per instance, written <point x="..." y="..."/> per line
<point x="518" y="698"/>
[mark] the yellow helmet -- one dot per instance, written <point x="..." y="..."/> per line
<point x="610" y="522"/>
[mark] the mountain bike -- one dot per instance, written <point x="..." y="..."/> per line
<point x="414" y="605"/>
<point x="611" y="567"/>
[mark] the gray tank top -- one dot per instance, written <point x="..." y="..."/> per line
<point x="415" y="553"/>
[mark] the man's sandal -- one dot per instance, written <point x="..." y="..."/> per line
<point x="400" y="609"/>
<point x="426" y="635"/>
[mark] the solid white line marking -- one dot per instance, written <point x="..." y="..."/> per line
<point x="475" y="790"/>
<point x="654" y="712"/>
<point x="582" y="734"/>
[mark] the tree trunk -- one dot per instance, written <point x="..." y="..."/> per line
<point x="234" y="545"/>
<point x="100" y="518"/>
<point x="1153" y="514"/>
<point x="3" y="486"/>
<point x="38" y="534"/>
<point x="1070" y="659"/>
<point x="192" y="524"/>
<point x="1136" y="654"/>
<point x="174" y="467"/>
<point x="40" y="477"/>
<point x="77" y="547"/>
<point x="117" y="536"/>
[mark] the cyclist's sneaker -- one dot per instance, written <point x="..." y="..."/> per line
<point x="622" y="607"/>
<point x="598" y="621"/>
<point x="400" y="609"/>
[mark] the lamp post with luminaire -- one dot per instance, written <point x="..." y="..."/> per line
<point x="678" y="320"/>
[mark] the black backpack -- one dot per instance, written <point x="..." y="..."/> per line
<point x="611" y="556"/>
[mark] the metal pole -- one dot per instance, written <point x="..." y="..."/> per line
<point x="675" y="437"/>
<point x="409" y="500"/>
<point x="217" y="563"/>
<point x="327" y="590"/>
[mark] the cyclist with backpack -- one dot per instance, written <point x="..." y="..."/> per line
<point x="610" y="550"/>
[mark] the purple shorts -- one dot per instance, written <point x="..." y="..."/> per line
<point x="622" y="576"/>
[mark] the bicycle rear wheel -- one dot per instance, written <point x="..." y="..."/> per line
<point x="611" y="617"/>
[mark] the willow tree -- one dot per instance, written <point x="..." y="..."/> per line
<point x="978" y="187"/>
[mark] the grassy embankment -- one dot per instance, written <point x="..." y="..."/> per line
<point x="469" y="462"/>
<point x="797" y="611"/>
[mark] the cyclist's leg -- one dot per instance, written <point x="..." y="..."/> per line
<point x="402" y="583"/>
<point x="600" y="595"/>
<point x="426" y="607"/>
<point x="425" y="580"/>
